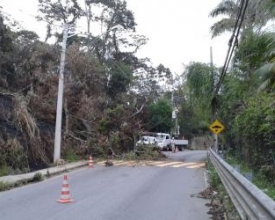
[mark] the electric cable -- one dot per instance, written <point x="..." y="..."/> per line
<point x="232" y="43"/>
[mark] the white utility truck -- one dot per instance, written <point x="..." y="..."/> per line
<point x="164" y="141"/>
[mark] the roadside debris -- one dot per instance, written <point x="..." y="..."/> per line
<point x="109" y="163"/>
<point x="217" y="209"/>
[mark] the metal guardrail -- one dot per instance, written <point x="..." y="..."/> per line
<point x="250" y="201"/>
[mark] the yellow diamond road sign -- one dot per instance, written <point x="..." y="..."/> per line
<point x="216" y="127"/>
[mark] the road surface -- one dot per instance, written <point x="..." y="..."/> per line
<point x="160" y="190"/>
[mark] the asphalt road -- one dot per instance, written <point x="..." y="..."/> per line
<point x="151" y="191"/>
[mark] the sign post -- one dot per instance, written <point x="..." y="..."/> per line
<point x="216" y="127"/>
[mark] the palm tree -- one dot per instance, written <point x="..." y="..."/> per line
<point x="255" y="50"/>
<point x="258" y="13"/>
<point x="267" y="77"/>
<point x="255" y="58"/>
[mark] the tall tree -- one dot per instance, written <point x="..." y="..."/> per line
<point x="55" y="12"/>
<point x="255" y="49"/>
<point x="199" y="92"/>
<point x="7" y="70"/>
<point x="159" y="116"/>
<point x="258" y="13"/>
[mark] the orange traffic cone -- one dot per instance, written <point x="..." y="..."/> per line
<point x="65" y="192"/>
<point x="90" y="163"/>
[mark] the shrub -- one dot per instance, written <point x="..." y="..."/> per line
<point x="214" y="178"/>
<point x="37" y="177"/>
<point x="4" y="170"/>
<point x="4" y="186"/>
<point x="70" y="154"/>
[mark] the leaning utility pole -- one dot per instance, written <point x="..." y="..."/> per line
<point x="58" y="123"/>
<point x="214" y="105"/>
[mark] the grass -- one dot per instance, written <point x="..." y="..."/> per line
<point x="37" y="177"/>
<point x="259" y="180"/>
<point x="264" y="185"/>
<point x="4" y="171"/>
<point x="214" y="178"/>
<point x="70" y="155"/>
<point x="222" y="195"/>
<point x="5" y="186"/>
<point x="234" y="161"/>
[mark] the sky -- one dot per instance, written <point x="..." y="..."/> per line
<point x="178" y="30"/>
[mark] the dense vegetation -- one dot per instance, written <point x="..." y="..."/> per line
<point x="111" y="95"/>
<point x="106" y="92"/>
<point x="245" y="102"/>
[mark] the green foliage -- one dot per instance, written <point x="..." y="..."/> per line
<point x="104" y="125"/>
<point x="258" y="13"/>
<point x="267" y="185"/>
<point x="13" y="157"/>
<point x="268" y="172"/>
<point x="159" y="117"/>
<point x="56" y="11"/>
<point x="6" y="54"/>
<point x="253" y="51"/>
<point x="195" y="112"/>
<point x="250" y="129"/>
<point x="99" y="101"/>
<point x="200" y="88"/>
<point x="162" y="70"/>
<point x="121" y="76"/>
<point x="264" y="49"/>
<point x="214" y="179"/>
<point x="5" y="186"/>
<point x="4" y="170"/>
<point x="230" y="104"/>
<point x="262" y="178"/>
<point x="199" y="79"/>
<point x="114" y="142"/>
<point x="112" y="121"/>
<point x="70" y="154"/>
<point x="37" y="177"/>
<point x="255" y="129"/>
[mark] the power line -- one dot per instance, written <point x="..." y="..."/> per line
<point x="232" y="43"/>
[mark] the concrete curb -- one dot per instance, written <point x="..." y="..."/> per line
<point x="13" y="179"/>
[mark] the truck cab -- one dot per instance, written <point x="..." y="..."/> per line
<point x="163" y="141"/>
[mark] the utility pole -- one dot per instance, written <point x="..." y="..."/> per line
<point x="174" y="112"/>
<point x="214" y="107"/>
<point x="58" y="123"/>
<point x="172" y="104"/>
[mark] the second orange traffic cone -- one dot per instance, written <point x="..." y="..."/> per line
<point x="90" y="163"/>
<point x="65" y="192"/>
